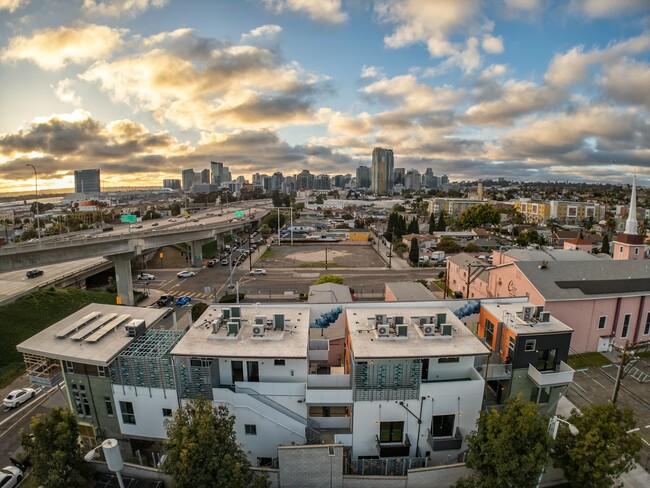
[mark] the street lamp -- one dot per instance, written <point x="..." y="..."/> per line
<point x="112" y="455"/>
<point x="553" y="426"/>
<point x="237" y="286"/>
<point x="38" y="223"/>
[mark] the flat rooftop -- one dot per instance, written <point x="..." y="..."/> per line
<point x="210" y="335"/>
<point x="410" y="291"/>
<point x="511" y="315"/>
<point x="95" y="335"/>
<point x="366" y="342"/>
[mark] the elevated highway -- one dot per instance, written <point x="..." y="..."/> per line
<point x="125" y="244"/>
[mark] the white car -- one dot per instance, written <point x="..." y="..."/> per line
<point x="18" y="397"/>
<point x="257" y="272"/>
<point x="146" y="276"/>
<point x="10" y="476"/>
<point x="185" y="274"/>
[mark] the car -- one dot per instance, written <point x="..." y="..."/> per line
<point x="183" y="300"/>
<point x="185" y="274"/>
<point x="212" y="262"/>
<point x="165" y="300"/>
<point x="33" y="273"/>
<point x="135" y="226"/>
<point x="155" y="224"/>
<point x="10" y="476"/>
<point x="257" y="272"/>
<point x="18" y="397"/>
<point x="171" y="220"/>
<point x="146" y="276"/>
<point x="33" y="240"/>
<point x="225" y="262"/>
<point x="195" y="220"/>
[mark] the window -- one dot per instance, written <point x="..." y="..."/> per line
<point x="128" y="415"/>
<point x="489" y="333"/>
<point x="264" y="461"/>
<point x="636" y="251"/>
<point x="443" y="425"/>
<point x="101" y="371"/>
<point x="626" y="324"/>
<point x="167" y="412"/>
<point x="250" y="429"/>
<point x="646" y="330"/>
<point x="511" y="347"/>
<point x="602" y="322"/>
<point x="82" y="405"/>
<point x="391" y="431"/>
<point x="620" y="249"/>
<point x="278" y="362"/>
<point x="69" y="367"/>
<point x="530" y="345"/>
<point x="109" y="406"/>
<point x="448" y="360"/>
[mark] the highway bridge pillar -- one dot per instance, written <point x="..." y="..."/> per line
<point x="123" y="278"/>
<point x="197" y="252"/>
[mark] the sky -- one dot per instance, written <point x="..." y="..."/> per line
<point x="533" y="90"/>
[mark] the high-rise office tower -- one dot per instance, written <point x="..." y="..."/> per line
<point x="187" y="179"/>
<point x="382" y="171"/>
<point x="413" y="179"/>
<point x="205" y="176"/>
<point x="217" y="172"/>
<point x="304" y="180"/>
<point x="87" y="181"/>
<point x="363" y="177"/>
<point x="399" y="176"/>
<point x="172" y="184"/>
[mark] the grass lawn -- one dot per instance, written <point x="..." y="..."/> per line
<point x="587" y="360"/>
<point x="441" y="284"/>
<point x="320" y="264"/>
<point x="33" y="313"/>
<point x="268" y="255"/>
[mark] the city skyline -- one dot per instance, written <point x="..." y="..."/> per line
<point x="141" y="90"/>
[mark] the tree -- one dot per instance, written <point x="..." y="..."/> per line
<point x="449" y="245"/>
<point x="198" y="309"/>
<point x="478" y="216"/>
<point x="329" y="278"/>
<point x="471" y="247"/>
<point x="601" y="450"/>
<point x="265" y="230"/>
<point x="511" y="446"/>
<point x="54" y="450"/>
<point x="442" y="225"/>
<point x="604" y="248"/>
<point x="272" y="220"/>
<point x="414" y="226"/>
<point x="414" y="252"/>
<point x="202" y="449"/>
<point x="432" y="223"/>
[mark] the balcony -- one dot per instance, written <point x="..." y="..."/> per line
<point x="393" y="449"/>
<point x="561" y="375"/>
<point x="445" y="443"/>
<point x="494" y="369"/>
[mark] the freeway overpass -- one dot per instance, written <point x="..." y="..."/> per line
<point x="122" y="246"/>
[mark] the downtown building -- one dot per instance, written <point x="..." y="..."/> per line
<point x="383" y="164"/>
<point x="87" y="181"/>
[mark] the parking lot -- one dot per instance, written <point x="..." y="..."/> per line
<point x="315" y="256"/>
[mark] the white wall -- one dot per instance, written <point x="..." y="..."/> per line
<point x="147" y="406"/>
<point x="268" y="370"/>
<point x="444" y="371"/>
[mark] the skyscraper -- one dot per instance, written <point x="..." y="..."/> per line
<point x="363" y="177"/>
<point x="87" y="181"/>
<point x="399" y="176"/>
<point x="382" y="171"/>
<point x="304" y="180"/>
<point x="187" y="179"/>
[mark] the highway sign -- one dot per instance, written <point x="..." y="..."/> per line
<point x="129" y="218"/>
<point x="239" y="213"/>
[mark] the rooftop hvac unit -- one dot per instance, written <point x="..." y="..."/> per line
<point x="380" y="319"/>
<point x="538" y="310"/>
<point x="235" y="312"/>
<point x="258" y="330"/>
<point x="424" y="320"/>
<point x="402" y="330"/>
<point x="260" y="320"/>
<point x="134" y="328"/>
<point x="441" y="318"/>
<point x="215" y="326"/>
<point x="233" y="328"/>
<point x="225" y="313"/>
<point x="383" y="331"/>
<point x="528" y="313"/>
<point x="278" y="321"/>
<point x="446" y="329"/>
<point x="399" y="320"/>
<point x="415" y="320"/>
<point x="429" y="330"/>
<point x="545" y="317"/>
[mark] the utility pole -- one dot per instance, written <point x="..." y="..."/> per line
<point x="619" y="376"/>
<point x="325" y="258"/>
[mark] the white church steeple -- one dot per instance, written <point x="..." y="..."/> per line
<point x="631" y="227"/>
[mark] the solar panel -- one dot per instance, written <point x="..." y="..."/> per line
<point x="76" y="324"/>
<point x="93" y="327"/>
<point x="107" y="328"/>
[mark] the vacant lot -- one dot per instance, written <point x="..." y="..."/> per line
<point x="314" y="256"/>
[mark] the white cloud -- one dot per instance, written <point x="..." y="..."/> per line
<point x="12" y="5"/>
<point x="494" y="71"/>
<point x="573" y="66"/>
<point x="263" y="31"/>
<point x="370" y="72"/>
<point x="328" y="11"/>
<point x="65" y="92"/>
<point x="609" y="8"/>
<point x="628" y="82"/>
<point x="119" y="8"/>
<point x="53" y="49"/>
<point x="492" y="44"/>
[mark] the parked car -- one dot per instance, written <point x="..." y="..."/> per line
<point x="33" y="273"/>
<point x="18" y="397"/>
<point x="212" y="262"/>
<point x="183" y="300"/>
<point x="10" y="476"/>
<point x="225" y="262"/>
<point x="185" y="274"/>
<point x="146" y="276"/>
<point x="257" y="272"/>
<point x="165" y="300"/>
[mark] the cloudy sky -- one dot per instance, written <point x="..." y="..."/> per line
<point x="524" y="89"/>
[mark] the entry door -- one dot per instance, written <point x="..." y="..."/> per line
<point x="237" y="371"/>
<point x="253" y="370"/>
<point x="603" y="344"/>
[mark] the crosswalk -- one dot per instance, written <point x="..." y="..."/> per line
<point x="192" y="294"/>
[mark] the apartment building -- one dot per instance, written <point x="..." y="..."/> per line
<point x="452" y="206"/>
<point x="566" y="212"/>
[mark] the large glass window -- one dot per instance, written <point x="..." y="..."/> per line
<point x="128" y="414"/>
<point x="626" y="324"/>
<point x="489" y="333"/>
<point x="391" y="431"/>
<point x="109" y="406"/>
<point x="443" y="425"/>
<point x="646" y="330"/>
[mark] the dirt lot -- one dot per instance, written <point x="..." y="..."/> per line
<point x="313" y="256"/>
<point x="595" y="384"/>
